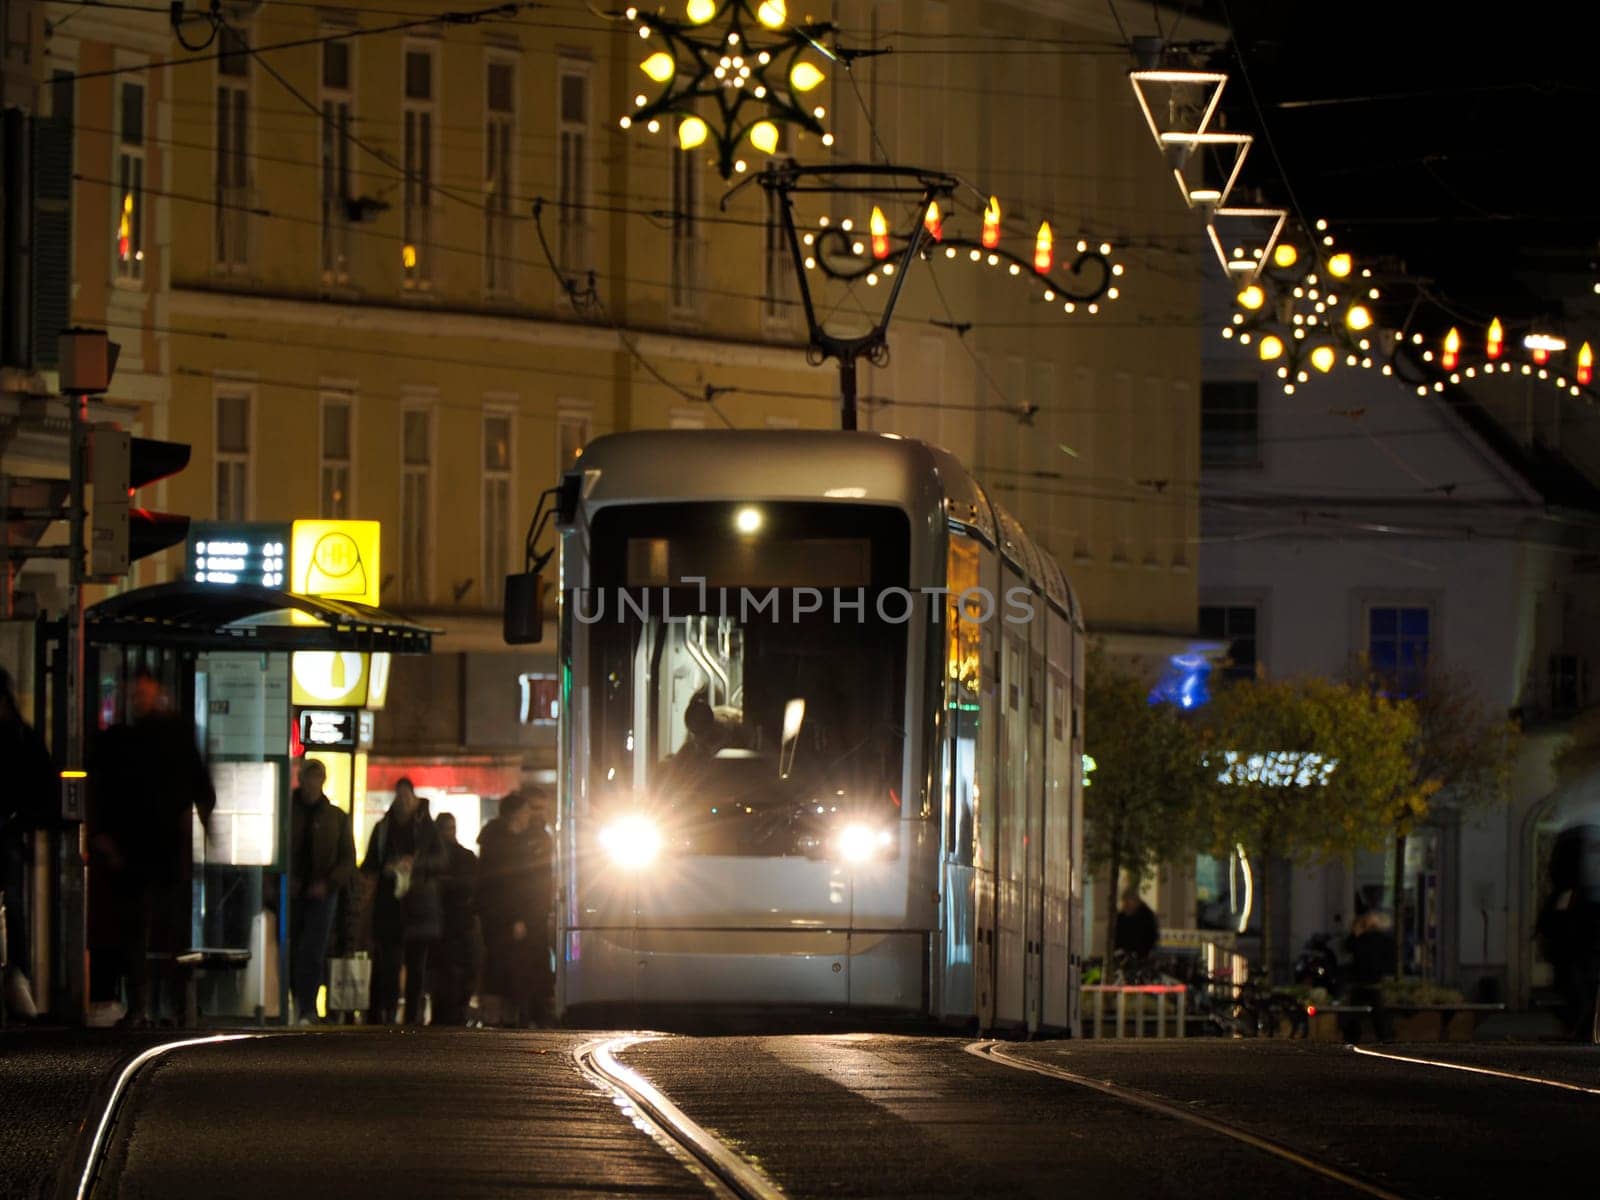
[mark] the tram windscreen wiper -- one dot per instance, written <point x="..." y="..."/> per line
<point x="794" y="715"/>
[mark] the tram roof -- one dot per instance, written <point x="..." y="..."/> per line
<point x="662" y="466"/>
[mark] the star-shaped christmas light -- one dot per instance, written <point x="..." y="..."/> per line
<point x="731" y="72"/>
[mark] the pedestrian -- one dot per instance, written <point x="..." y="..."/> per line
<point x="406" y="858"/>
<point x="322" y="864"/>
<point x="30" y="806"/>
<point x="1569" y="926"/>
<point x="148" y="781"/>
<point x="1372" y="961"/>
<point x="514" y="895"/>
<point x="1137" y="928"/>
<point x="455" y="973"/>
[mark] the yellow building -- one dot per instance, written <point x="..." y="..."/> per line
<point x="332" y="245"/>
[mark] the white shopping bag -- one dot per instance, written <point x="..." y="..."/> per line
<point x="349" y="984"/>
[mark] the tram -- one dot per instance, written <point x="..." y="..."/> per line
<point x="820" y="736"/>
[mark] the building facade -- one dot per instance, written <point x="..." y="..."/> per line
<point x="1356" y="519"/>
<point x="404" y="274"/>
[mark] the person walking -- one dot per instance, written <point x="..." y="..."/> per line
<point x="1569" y="927"/>
<point x="29" y="807"/>
<point x="514" y="894"/>
<point x="322" y="863"/>
<point x="455" y="973"/>
<point x="147" y="783"/>
<point x="1137" y="928"/>
<point x="1372" y="960"/>
<point x="406" y="858"/>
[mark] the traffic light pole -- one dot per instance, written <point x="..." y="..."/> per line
<point x="71" y="859"/>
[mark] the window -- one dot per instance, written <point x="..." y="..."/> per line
<point x="498" y="156"/>
<point x="48" y="277"/>
<point x="1397" y="647"/>
<point x="337" y="99"/>
<point x="572" y="167"/>
<point x="232" y="168"/>
<point x="497" y="468"/>
<point x="1230" y="432"/>
<point x="233" y="454"/>
<point x="1236" y="625"/>
<point x="338" y="419"/>
<point x="541" y="699"/>
<point x="685" y="227"/>
<point x="572" y="434"/>
<point x="416" y="504"/>
<point x="130" y="183"/>
<point x="416" y="258"/>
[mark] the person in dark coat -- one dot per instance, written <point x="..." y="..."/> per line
<point x="322" y="863"/>
<point x="31" y="804"/>
<point x="1373" y="954"/>
<point x="407" y="859"/>
<point x="1137" y="928"/>
<point x="455" y="972"/>
<point x="147" y="782"/>
<point x="1569" y="926"/>
<point x="514" y="898"/>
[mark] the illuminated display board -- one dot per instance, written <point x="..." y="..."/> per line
<point x="238" y="552"/>
<point x="336" y="559"/>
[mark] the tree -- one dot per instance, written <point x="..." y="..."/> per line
<point x="1308" y="770"/>
<point x="1142" y="805"/>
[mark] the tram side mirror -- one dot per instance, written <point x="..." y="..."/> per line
<point x="524" y="611"/>
<point x="568" y="494"/>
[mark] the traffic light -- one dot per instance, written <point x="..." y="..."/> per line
<point x="121" y="532"/>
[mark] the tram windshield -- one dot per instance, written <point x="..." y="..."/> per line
<point x="763" y="714"/>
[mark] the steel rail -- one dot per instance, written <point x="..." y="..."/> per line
<point x="721" y="1168"/>
<point x="994" y="1051"/>
<point x="1538" y="1080"/>
<point x="79" y="1183"/>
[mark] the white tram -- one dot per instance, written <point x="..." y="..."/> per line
<point x="803" y="784"/>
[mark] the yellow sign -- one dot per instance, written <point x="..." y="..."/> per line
<point x="331" y="678"/>
<point x="335" y="559"/>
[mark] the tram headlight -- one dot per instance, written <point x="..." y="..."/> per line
<point x="859" y="842"/>
<point x="632" y="841"/>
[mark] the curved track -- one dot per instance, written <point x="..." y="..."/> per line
<point x="722" y="1168"/>
<point x="997" y="1052"/>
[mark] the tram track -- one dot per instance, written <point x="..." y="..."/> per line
<point x="81" y="1172"/>
<point x="997" y="1052"/>
<point x="724" y="1171"/>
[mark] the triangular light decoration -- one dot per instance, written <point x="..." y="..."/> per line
<point x="1206" y="178"/>
<point x="1244" y="238"/>
<point x="1177" y="101"/>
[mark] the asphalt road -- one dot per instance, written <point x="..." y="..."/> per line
<point x="475" y="1113"/>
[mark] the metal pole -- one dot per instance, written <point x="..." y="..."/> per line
<point x="70" y="861"/>
<point x="847" y="391"/>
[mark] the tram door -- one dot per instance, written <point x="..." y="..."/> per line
<point x="987" y="798"/>
<point x="1010" y="863"/>
<point x="1033" y="834"/>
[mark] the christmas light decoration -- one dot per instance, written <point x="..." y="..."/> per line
<point x="1339" y="266"/>
<point x="1323" y="358"/>
<point x="1252" y="297"/>
<point x="1285" y="255"/>
<point x="1495" y="345"/>
<point x="879" y="227"/>
<point x="1271" y="347"/>
<point x="1452" y="350"/>
<point x="1585" y="365"/>
<point x="1542" y="345"/>
<point x="1043" y="259"/>
<point x="734" y="70"/>
<point x="991" y="224"/>
<point x="1358" y="317"/>
<point x="934" y="222"/>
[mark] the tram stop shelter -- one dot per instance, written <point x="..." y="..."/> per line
<point x="256" y="669"/>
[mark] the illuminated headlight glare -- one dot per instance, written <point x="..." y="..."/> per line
<point x="632" y="841"/>
<point x="857" y="842"/>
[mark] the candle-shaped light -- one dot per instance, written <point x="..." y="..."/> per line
<point x="933" y="221"/>
<point x="991" y="224"/>
<point x="1495" y="346"/>
<point x="1043" y="249"/>
<point x="1585" y="365"/>
<point x="880" y="233"/>
<point x="1452" y="350"/>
